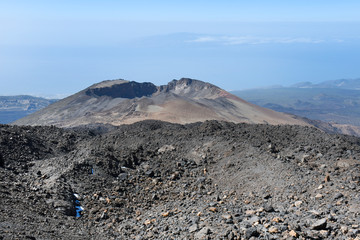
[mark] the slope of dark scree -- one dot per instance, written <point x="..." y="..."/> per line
<point x="156" y="180"/>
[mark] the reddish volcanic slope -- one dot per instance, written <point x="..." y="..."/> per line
<point x="182" y="101"/>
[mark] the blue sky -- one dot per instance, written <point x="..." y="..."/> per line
<point x="49" y="48"/>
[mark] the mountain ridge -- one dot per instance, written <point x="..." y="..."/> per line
<point x="180" y="101"/>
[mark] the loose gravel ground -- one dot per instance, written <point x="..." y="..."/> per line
<point x="156" y="180"/>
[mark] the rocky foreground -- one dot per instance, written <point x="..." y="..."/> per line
<point x="156" y="180"/>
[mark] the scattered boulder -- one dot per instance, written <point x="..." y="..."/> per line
<point x="338" y="195"/>
<point x="202" y="233"/>
<point x="319" y="225"/>
<point x="251" y="232"/>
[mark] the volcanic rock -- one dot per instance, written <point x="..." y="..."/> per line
<point x="128" y="189"/>
<point x="319" y="225"/>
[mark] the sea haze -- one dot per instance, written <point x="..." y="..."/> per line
<point x="231" y="55"/>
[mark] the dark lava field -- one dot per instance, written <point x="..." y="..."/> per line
<point x="156" y="180"/>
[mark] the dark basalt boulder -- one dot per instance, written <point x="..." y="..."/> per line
<point x="2" y="161"/>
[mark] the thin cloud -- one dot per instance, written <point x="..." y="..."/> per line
<point x="226" y="40"/>
<point x="205" y="39"/>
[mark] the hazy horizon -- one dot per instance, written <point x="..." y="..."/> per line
<point x="50" y="49"/>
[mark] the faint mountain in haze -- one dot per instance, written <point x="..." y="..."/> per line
<point x="16" y="107"/>
<point x="336" y="102"/>
<point x="353" y="84"/>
